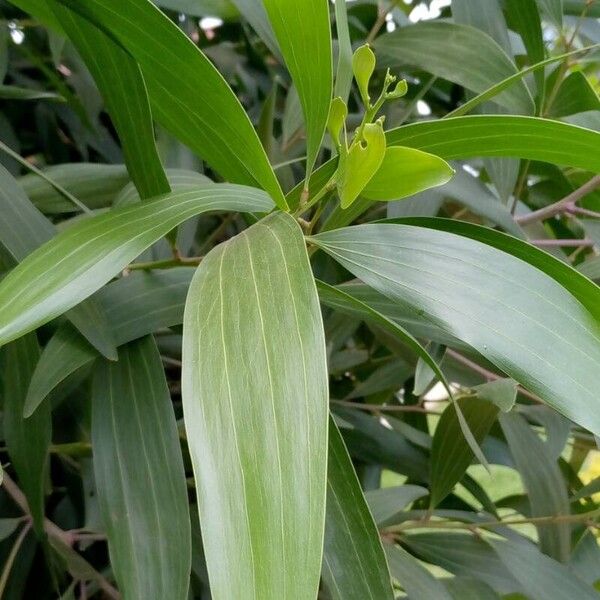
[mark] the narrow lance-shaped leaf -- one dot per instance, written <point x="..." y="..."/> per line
<point x="307" y="53"/>
<point x="23" y="228"/>
<point x="354" y="565"/>
<point x="450" y="454"/>
<point x="457" y="53"/>
<point x="139" y="475"/>
<point x="91" y="252"/>
<point x="255" y="411"/>
<point x="462" y="286"/>
<point x="543" y="481"/>
<point x="122" y="86"/>
<point x="27" y="440"/>
<point x="188" y="95"/>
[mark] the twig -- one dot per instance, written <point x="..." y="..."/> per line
<point x="169" y="263"/>
<point x="569" y="243"/>
<point x="381" y="17"/>
<point x="561" y="205"/>
<point x="385" y="407"/>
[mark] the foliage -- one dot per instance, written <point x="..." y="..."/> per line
<point x="299" y="302"/>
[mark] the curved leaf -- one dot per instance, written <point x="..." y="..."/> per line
<point x="462" y="286"/>
<point x="459" y="53"/>
<point x="139" y="471"/>
<point x="256" y="413"/>
<point x="188" y="95"/>
<point x="354" y="565"/>
<point x="306" y="50"/>
<point x="404" y="172"/>
<point x="91" y="252"/>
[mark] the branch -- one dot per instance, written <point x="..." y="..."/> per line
<point x="561" y="205"/>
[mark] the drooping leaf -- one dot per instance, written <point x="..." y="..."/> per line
<point x="485" y="16"/>
<point x="13" y="92"/>
<point x="308" y="57"/>
<point x="27" y="440"/>
<point x="455" y="52"/>
<point x="122" y="86"/>
<point x="23" y="229"/>
<point x="139" y="471"/>
<point x="585" y="560"/>
<point x="544" y="484"/>
<point x="440" y="274"/>
<point x="89" y="253"/>
<point x="354" y="565"/>
<point x="539" y="574"/>
<point x="256" y="413"/>
<point x="188" y="95"/>
<point x="95" y="185"/>
<point x="450" y="454"/>
<point x="416" y="580"/>
<point x="255" y="13"/>
<point x="575" y="94"/>
<point x="501" y="392"/>
<point x="384" y="503"/>
<point x="404" y="172"/>
<point x="469" y="588"/>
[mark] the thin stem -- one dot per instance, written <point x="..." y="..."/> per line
<point x="545" y="520"/>
<point x="61" y="190"/>
<point x="384" y="407"/>
<point x="12" y="556"/>
<point x="285" y="163"/>
<point x="560" y="205"/>
<point x="217" y="231"/>
<point x="570" y="243"/>
<point x="168" y="263"/>
<point x="381" y="17"/>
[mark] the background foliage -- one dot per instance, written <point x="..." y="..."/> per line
<point x="490" y="493"/>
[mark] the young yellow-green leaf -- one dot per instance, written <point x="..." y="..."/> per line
<point x="354" y="565"/>
<point x="459" y="53"/>
<point x="450" y="453"/>
<point x="363" y="65"/>
<point x="27" y="440"/>
<point x="406" y="171"/>
<point x="140" y="479"/>
<point x="122" y="86"/>
<point x="337" y="118"/>
<point x="360" y="164"/>
<point x="255" y="412"/>
<point x="303" y="32"/>
<point x="188" y="95"/>
<point x="477" y="293"/>
<point x="91" y="252"/>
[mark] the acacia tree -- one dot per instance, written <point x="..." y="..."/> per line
<point x="293" y="311"/>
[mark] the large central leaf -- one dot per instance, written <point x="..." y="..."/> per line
<point x="513" y="314"/>
<point x="254" y="390"/>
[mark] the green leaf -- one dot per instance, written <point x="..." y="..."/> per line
<point x="223" y="9"/>
<point x="502" y="393"/>
<point x="360" y="164"/>
<point x="343" y="74"/>
<point x="337" y="119"/>
<point x="13" y="92"/>
<point x="465" y="555"/>
<point x="363" y="66"/>
<point x="308" y="57"/>
<point x="187" y="94"/>
<point x="354" y="565"/>
<point x="415" y="579"/>
<point x="386" y="503"/>
<point x="456" y="53"/>
<point x="468" y="588"/>
<point x="112" y="241"/>
<point x="543" y="481"/>
<point x="574" y="95"/>
<point x="450" y="454"/>
<point x="136" y="305"/>
<point x="404" y="172"/>
<point x="27" y="440"/>
<point x="139" y="471"/>
<point x="553" y="9"/>
<point x="254" y="12"/>
<point x="424" y="375"/>
<point x="476" y="293"/>
<point x="23" y="229"/>
<point x="122" y="86"/>
<point x="262" y="396"/>
<point x="500" y="135"/>
<point x="540" y="575"/>
<point x="96" y="185"/>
